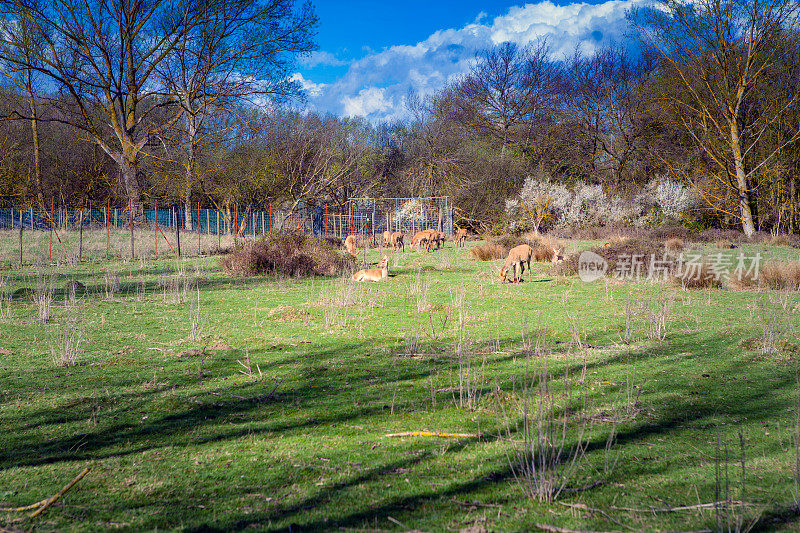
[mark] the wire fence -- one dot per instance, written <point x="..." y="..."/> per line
<point x="158" y="229"/>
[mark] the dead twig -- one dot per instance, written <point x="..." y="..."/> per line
<point x="710" y="505"/>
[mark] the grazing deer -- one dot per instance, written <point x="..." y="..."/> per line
<point x="438" y="238"/>
<point x="422" y="238"/>
<point x="387" y="238"/>
<point x="397" y="241"/>
<point x="374" y="274"/>
<point x="461" y="236"/>
<point x="351" y="243"/>
<point x="517" y="258"/>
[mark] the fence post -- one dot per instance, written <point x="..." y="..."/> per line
<point x="155" y="231"/>
<point x="80" y="238"/>
<point x="32" y="218"/>
<point x="208" y="222"/>
<point x="199" y="228"/>
<point x="177" y="231"/>
<point x="130" y="223"/>
<point x="219" y="235"/>
<point x="20" y="238"/>
<point x="108" y="222"/>
<point x="52" y="208"/>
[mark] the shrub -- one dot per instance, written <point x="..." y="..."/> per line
<point x="780" y="240"/>
<point x="781" y="275"/>
<point x="614" y="253"/>
<point x="487" y="252"/>
<point x="742" y="282"/>
<point x="699" y="277"/>
<point x="675" y="244"/>
<point x="290" y="253"/>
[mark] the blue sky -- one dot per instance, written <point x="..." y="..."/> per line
<point x="371" y="53"/>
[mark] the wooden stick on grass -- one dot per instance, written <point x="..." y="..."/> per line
<point x="47" y="502"/>
<point x="431" y="434"/>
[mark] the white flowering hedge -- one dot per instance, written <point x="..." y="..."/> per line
<point x="542" y="204"/>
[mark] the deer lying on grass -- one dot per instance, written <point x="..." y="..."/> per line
<point x="517" y="258"/>
<point x="396" y="239"/>
<point x="461" y="236"/>
<point x="351" y="243"/>
<point x="374" y="274"/>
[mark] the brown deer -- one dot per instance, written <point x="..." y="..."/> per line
<point x="422" y="238"/>
<point x="387" y="238"/>
<point x="374" y="274"/>
<point x="351" y="243"/>
<point x="461" y="236"/>
<point x="517" y="257"/>
<point x="397" y="241"/>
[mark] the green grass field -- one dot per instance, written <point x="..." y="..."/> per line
<point x="180" y="436"/>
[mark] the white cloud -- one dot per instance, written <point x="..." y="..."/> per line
<point x="321" y="58"/>
<point x="312" y="89"/>
<point x="376" y="84"/>
<point x="369" y="101"/>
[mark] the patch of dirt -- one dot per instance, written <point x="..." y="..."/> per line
<point x="288" y="312"/>
<point x="221" y="347"/>
<point x="125" y="350"/>
<point x="192" y="352"/>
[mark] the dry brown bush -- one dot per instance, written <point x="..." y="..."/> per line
<point x="289" y="253"/>
<point x="781" y="275"/>
<point x="487" y="252"/>
<point x="613" y="253"/>
<point x="701" y="277"/>
<point x="742" y="281"/>
<point x="674" y="244"/>
<point x="780" y="240"/>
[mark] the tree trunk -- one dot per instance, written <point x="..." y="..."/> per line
<point x="130" y="181"/>
<point x="37" y="165"/>
<point x="745" y="212"/>
<point x="190" y="173"/>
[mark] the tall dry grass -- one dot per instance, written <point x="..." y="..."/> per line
<point x="781" y="275"/>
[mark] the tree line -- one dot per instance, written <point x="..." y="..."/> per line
<point x="181" y="101"/>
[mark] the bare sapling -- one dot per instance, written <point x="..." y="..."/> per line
<point x="517" y="258"/>
<point x="195" y="320"/>
<point x="5" y="297"/>
<point x="418" y="286"/>
<point x="66" y="341"/>
<point x="659" y="312"/>
<point x="776" y="312"/>
<point x="111" y="285"/>
<point x="43" y="294"/>
<point x="374" y="274"/>
<point x="550" y="442"/>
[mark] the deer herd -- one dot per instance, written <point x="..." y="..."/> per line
<point x="518" y="257"/>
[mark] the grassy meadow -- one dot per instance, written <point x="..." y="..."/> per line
<point x="207" y="403"/>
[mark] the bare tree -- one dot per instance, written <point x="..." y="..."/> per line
<point x="102" y="54"/>
<point x="22" y="77"/>
<point x="240" y="52"/>
<point x="509" y="86"/>
<point x="604" y="98"/>
<point x="721" y="52"/>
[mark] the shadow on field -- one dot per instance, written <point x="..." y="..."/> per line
<point x="335" y="386"/>
<point x="318" y="388"/>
